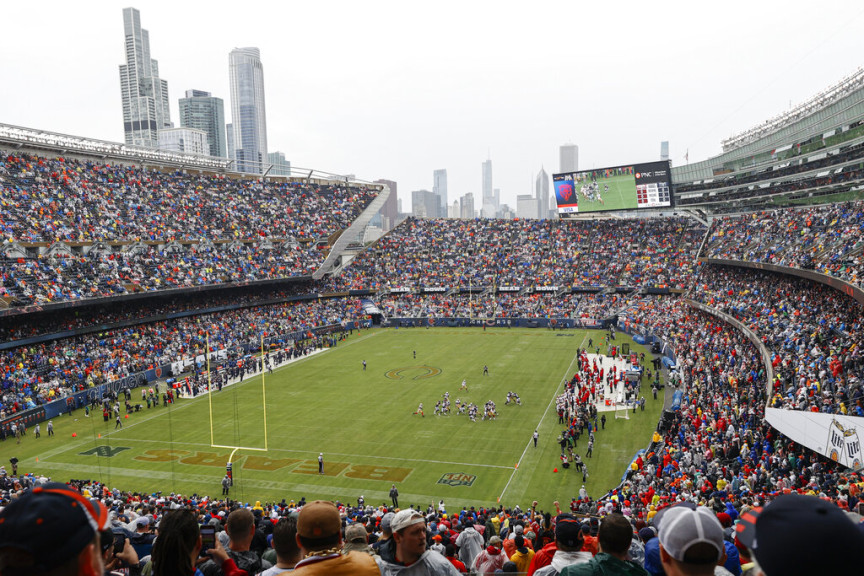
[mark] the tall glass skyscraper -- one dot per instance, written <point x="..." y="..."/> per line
<point x="439" y="187"/>
<point x="487" y="182"/>
<point x="145" y="95"/>
<point x="202" y="111"/>
<point x="541" y="187"/>
<point x="248" y="116"/>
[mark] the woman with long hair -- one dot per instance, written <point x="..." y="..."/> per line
<point x="177" y="547"/>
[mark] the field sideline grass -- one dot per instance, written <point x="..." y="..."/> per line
<point x="363" y="423"/>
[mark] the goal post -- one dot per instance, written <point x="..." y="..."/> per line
<point x="235" y="448"/>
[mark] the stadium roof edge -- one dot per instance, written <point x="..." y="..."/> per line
<point x="18" y="137"/>
<point x="817" y="102"/>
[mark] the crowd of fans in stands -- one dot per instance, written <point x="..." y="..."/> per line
<point x="718" y="452"/>
<point x="827" y="239"/>
<point x="140" y="310"/>
<point x="152" y="214"/>
<point x="63" y="199"/>
<point x="813" y="331"/>
<point x="524" y="253"/>
<point x="47" y="280"/>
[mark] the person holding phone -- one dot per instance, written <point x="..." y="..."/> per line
<point x="180" y="543"/>
<point x="118" y="554"/>
<point x="240" y="526"/>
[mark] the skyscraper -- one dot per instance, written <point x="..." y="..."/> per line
<point x="664" y="150"/>
<point x="467" y="206"/>
<point x="390" y="210"/>
<point x="145" y="95"/>
<point x="488" y="195"/>
<point x="439" y="187"/>
<point x="202" y="111"/>
<point x="425" y="204"/>
<point x="526" y="206"/>
<point x="248" y="116"/>
<point x="568" y="158"/>
<point x="187" y="140"/>
<point x="541" y="187"/>
<point x="279" y="166"/>
<point x="229" y="140"/>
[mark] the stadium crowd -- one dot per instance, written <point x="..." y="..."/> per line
<point x="718" y="454"/>
<point x="827" y="239"/>
<point x="151" y="215"/>
<point x="524" y="253"/>
<point x="51" y="279"/>
<point x="68" y="200"/>
<point x="140" y="310"/>
<point x="500" y="305"/>
<point x="813" y="332"/>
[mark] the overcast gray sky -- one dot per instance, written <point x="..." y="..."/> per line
<point x="398" y="89"/>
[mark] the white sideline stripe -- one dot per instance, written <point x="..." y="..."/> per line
<point x="310" y="453"/>
<point x="531" y="441"/>
<point x="336" y="492"/>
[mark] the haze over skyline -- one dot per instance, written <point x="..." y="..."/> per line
<point x="397" y="90"/>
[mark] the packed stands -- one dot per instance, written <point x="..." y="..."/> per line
<point x="523" y="253"/>
<point x="717" y="453"/>
<point x="812" y="330"/>
<point x="125" y="229"/>
<point x="827" y="239"/>
<point x="150" y="309"/>
<point x="720" y="448"/>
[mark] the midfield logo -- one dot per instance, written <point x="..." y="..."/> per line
<point x="457" y="479"/>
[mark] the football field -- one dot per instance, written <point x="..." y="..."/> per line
<point x="363" y="422"/>
<point x="621" y="195"/>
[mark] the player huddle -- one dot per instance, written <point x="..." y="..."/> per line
<point x="490" y="411"/>
<point x="591" y="192"/>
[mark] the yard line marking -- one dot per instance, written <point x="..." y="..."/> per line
<point x="531" y="440"/>
<point x="312" y="453"/>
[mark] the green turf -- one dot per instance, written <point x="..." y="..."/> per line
<point x="621" y="194"/>
<point x="363" y="423"/>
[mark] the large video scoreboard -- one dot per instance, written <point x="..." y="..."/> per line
<point x="628" y="187"/>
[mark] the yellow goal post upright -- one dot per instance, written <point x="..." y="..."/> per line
<point x="234" y="449"/>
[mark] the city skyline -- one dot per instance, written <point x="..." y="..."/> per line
<point x="361" y="101"/>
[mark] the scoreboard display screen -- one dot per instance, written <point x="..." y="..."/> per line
<point x="628" y="187"/>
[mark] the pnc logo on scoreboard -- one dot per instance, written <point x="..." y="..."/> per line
<point x="457" y="479"/>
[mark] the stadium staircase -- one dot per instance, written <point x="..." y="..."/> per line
<point x="352" y="235"/>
